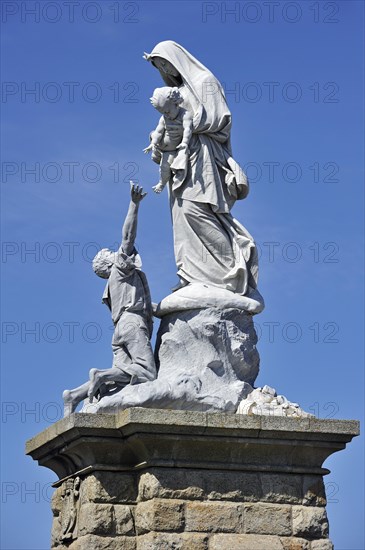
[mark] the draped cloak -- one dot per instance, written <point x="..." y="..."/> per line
<point x="210" y="245"/>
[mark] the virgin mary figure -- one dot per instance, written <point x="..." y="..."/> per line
<point x="210" y="246"/>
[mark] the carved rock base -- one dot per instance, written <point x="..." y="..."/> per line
<point x="217" y="345"/>
<point x="208" y="361"/>
<point x="157" y="480"/>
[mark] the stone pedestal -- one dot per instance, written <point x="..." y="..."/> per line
<point x="159" y="479"/>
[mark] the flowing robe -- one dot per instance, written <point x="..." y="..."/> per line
<point x="210" y="245"/>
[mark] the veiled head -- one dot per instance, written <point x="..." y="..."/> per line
<point x="165" y="66"/>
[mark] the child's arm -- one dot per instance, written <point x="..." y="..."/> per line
<point x="156" y="135"/>
<point x="129" y="231"/>
<point x="188" y="130"/>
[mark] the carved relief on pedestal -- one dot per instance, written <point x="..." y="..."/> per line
<point x="70" y="498"/>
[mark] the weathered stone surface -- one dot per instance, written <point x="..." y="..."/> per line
<point x="159" y="515"/>
<point x="168" y="483"/>
<point x="176" y="541"/>
<point x="313" y="491"/>
<point x="244" y="542"/>
<point x="108" y="487"/>
<point x="321" y="545"/>
<point x="185" y="458"/>
<point x="281" y="488"/>
<point x="309" y="522"/>
<point x="123" y="519"/>
<point x="290" y="543"/>
<point x="210" y="340"/>
<point x="96" y="519"/>
<point x="92" y="542"/>
<point x="56" y="531"/>
<point x="267" y="519"/>
<point x="237" y="486"/>
<point x="193" y="484"/>
<point x="213" y="517"/>
<point x="215" y="364"/>
<point x="266" y="401"/>
<point x="74" y="443"/>
<point x="56" y="501"/>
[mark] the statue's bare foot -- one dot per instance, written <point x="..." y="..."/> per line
<point x="180" y="284"/>
<point x="69" y="403"/>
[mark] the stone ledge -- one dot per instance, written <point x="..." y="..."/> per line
<point x="143" y="438"/>
<point x="196" y="422"/>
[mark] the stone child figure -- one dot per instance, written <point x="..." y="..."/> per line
<point x="169" y="141"/>
<point x="128" y="297"/>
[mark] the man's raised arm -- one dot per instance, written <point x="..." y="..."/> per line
<point x="129" y="231"/>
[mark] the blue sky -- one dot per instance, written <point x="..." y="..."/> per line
<point x="294" y="79"/>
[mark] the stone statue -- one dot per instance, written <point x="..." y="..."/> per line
<point x="206" y="354"/>
<point x="206" y="345"/>
<point x="169" y="142"/>
<point x="160" y="478"/>
<point x="128" y="297"/>
<point x="210" y="245"/>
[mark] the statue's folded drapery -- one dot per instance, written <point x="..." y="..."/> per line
<point x="210" y="245"/>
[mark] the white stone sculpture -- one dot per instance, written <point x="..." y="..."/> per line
<point x="128" y="297"/>
<point x="210" y="245"/>
<point x="205" y="354"/>
<point x="207" y="360"/>
<point x="169" y="142"/>
<point x="265" y="401"/>
<point x="206" y="347"/>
